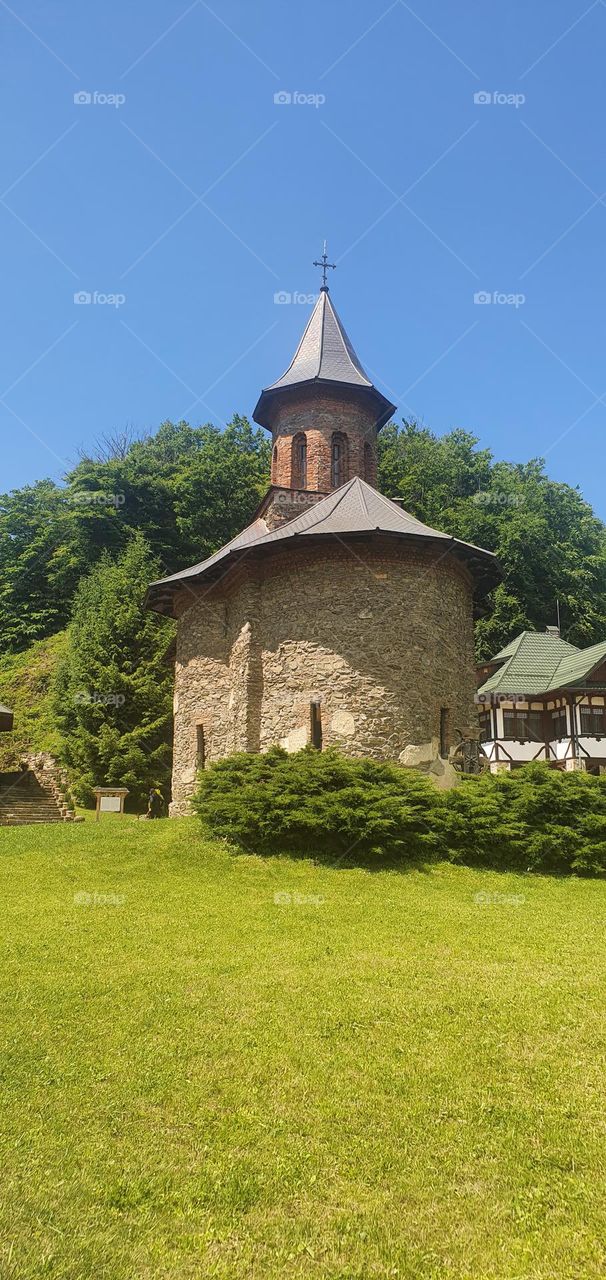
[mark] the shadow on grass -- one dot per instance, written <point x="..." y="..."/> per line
<point x="346" y="861"/>
<point x="374" y="864"/>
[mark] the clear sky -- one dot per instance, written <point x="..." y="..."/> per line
<point x="182" y="187"/>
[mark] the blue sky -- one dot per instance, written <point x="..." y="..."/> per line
<point x="183" y="187"/>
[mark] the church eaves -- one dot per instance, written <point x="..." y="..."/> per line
<point x="356" y="509"/>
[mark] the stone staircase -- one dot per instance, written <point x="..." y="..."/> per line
<point x="23" y="800"/>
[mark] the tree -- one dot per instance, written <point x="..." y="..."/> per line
<point x="187" y="489"/>
<point x="42" y="557"/>
<point x="113" y="688"/>
<point x="550" y="544"/>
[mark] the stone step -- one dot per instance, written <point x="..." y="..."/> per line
<point x="15" y="812"/>
<point x="28" y="822"/>
<point x="25" y="793"/>
<point x="29" y="808"/>
<point x="42" y="814"/>
<point x="25" y="799"/>
<point x="30" y="813"/>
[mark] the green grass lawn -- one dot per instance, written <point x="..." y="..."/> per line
<point x="372" y="1075"/>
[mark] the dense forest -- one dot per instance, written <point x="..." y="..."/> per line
<point x="75" y="558"/>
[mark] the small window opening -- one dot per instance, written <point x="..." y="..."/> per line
<point x="315" y="710"/>
<point x="338" y="460"/>
<point x="200" y="747"/>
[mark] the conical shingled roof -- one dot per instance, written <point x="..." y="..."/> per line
<point x="356" y="509"/>
<point x="324" y="355"/>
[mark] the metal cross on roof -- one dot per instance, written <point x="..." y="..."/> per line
<point x="325" y="264"/>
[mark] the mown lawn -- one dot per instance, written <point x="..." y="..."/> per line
<point x="375" y="1075"/>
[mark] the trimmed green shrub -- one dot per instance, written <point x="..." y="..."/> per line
<point x="328" y="805"/>
<point x="534" y="818"/>
<point x="318" y="803"/>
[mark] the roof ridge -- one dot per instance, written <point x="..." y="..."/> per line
<point x="355" y="365"/>
<point x="363" y="497"/>
<point x="337" y="494"/>
<point x="324" y="297"/>
<point x="402" y="511"/>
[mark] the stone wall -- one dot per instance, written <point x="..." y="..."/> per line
<point x="380" y="631"/>
<point x="318" y="414"/>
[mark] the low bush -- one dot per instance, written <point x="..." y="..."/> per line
<point x="534" y="818"/>
<point x="328" y="805"/>
<point x="319" y="803"/>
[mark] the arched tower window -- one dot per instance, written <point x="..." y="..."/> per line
<point x="274" y="464"/>
<point x="369" y="467"/>
<point x="299" y="461"/>
<point x="338" y="459"/>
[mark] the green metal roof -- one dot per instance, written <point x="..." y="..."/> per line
<point x="577" y="666"/>
<point x="533" y="662"/>
<point x="510" y="648"/>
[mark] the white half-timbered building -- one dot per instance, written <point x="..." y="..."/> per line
<point x="542" y="698"/>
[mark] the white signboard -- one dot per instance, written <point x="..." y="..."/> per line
<point x="110" y="804"/>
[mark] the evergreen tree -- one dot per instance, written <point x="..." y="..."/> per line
<point x="113" y="689"/>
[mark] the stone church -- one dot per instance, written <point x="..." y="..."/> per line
<point x="335" y="618"/>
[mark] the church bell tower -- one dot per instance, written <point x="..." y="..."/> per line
<point x="324" y="414"/>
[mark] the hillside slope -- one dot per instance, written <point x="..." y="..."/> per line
<point x="25" y="686"/>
